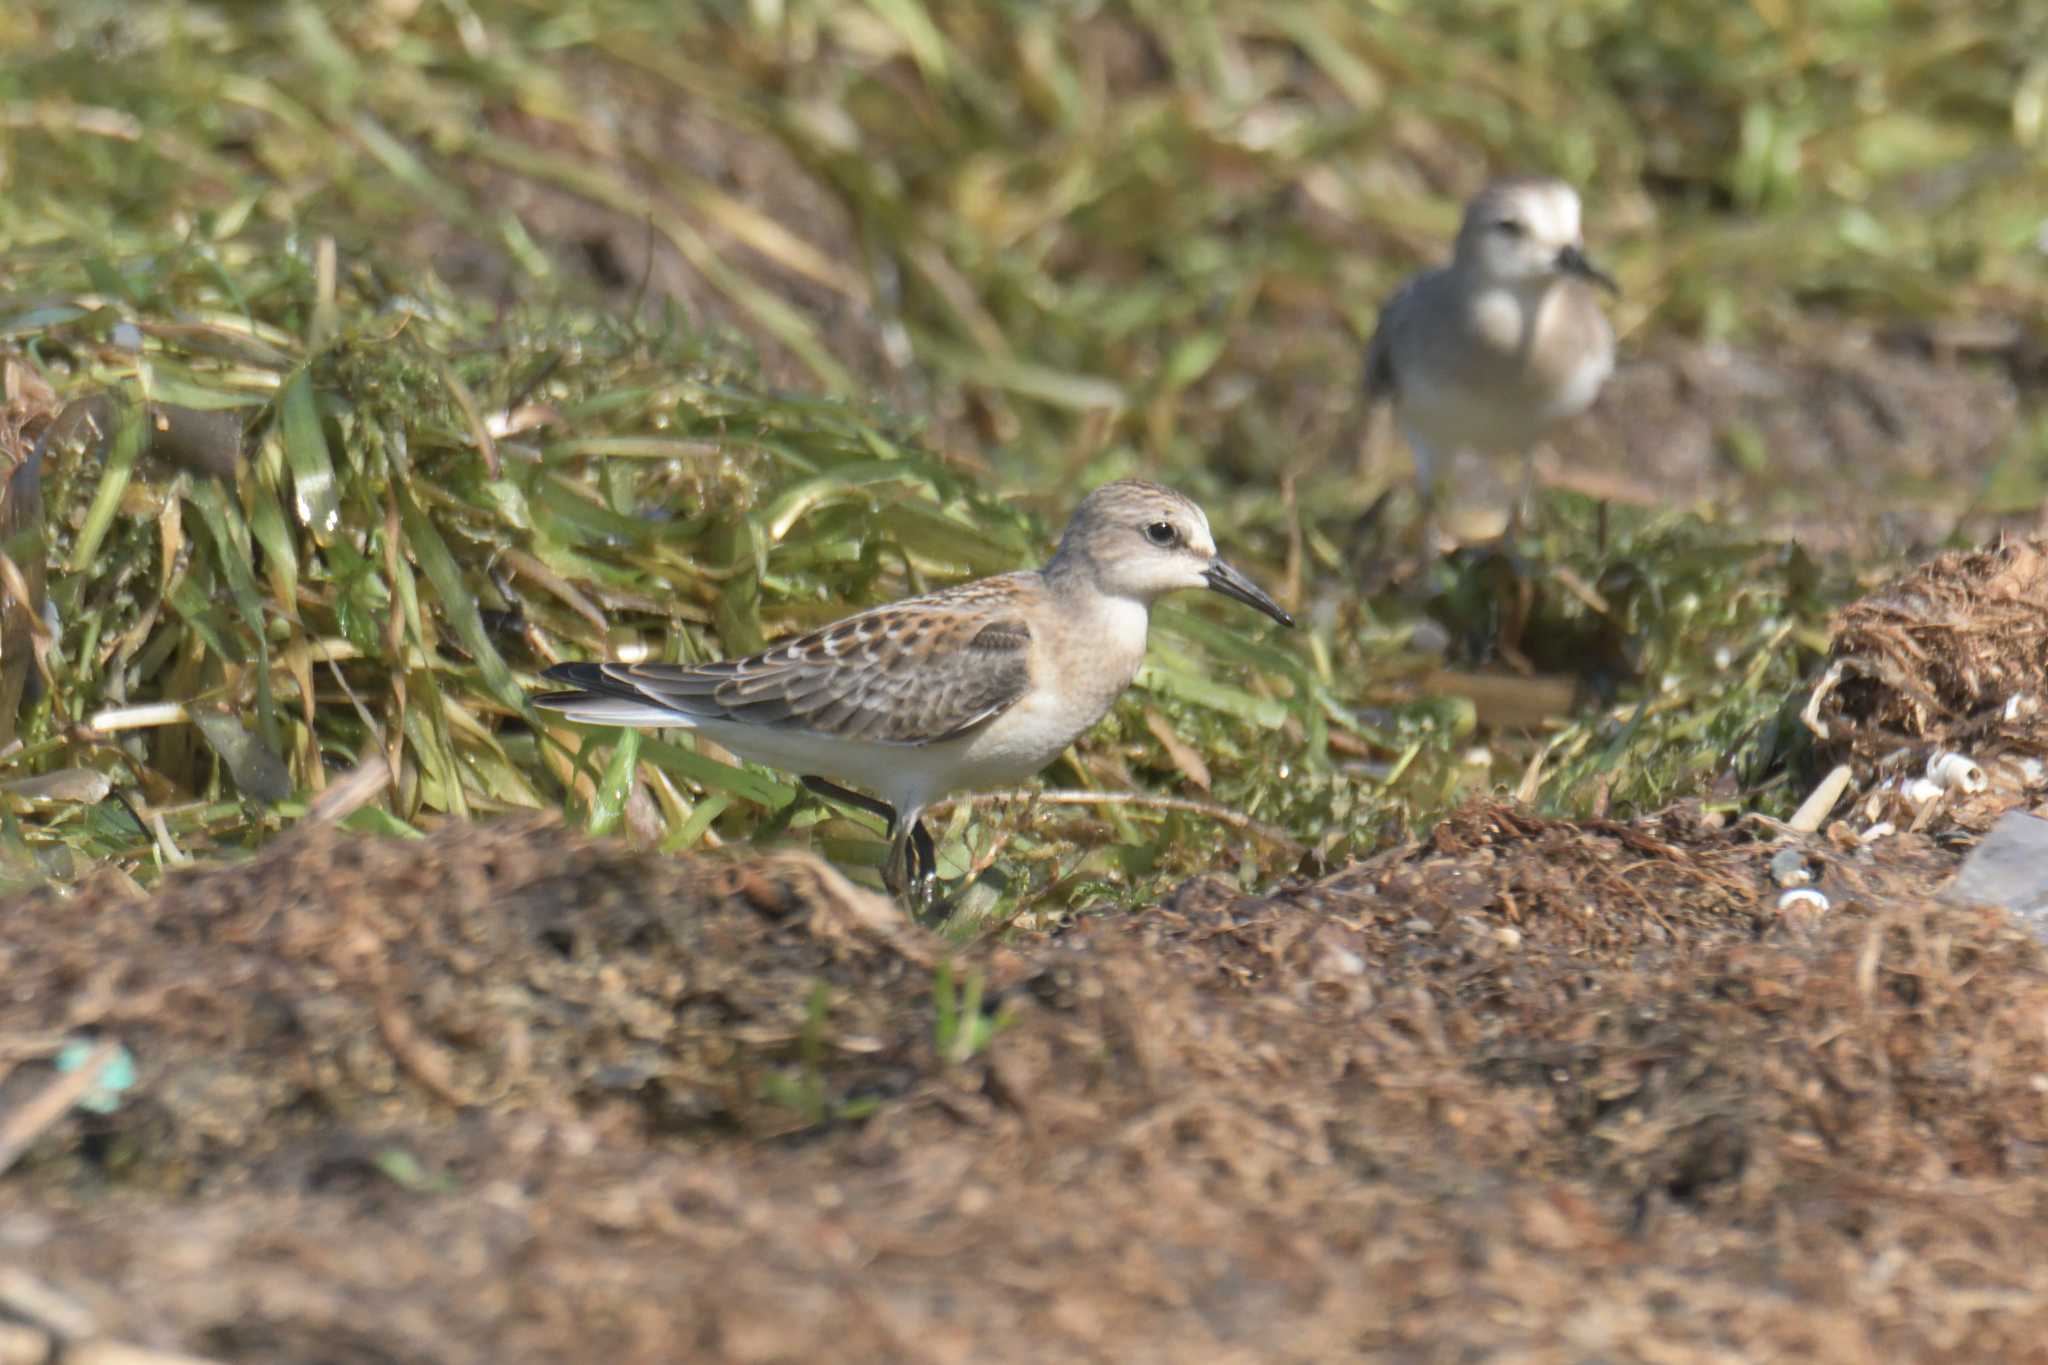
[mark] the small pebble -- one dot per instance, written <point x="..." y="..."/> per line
<point x="2009" y="868"/>
<point x="1429" y="638"/>
<point x="1788" y="868"/>
<point x="116" y="1074"/>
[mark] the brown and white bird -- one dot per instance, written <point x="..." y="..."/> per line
<point x="1487" y="353"/>
<point x="973" y="686"/>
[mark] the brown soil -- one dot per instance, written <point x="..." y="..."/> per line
<point x="1862" y="433"/>
<point x="1528" y="1090"/>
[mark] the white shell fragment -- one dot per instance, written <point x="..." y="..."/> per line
<point x="1820" y="801"/>
<point x="1920" y="790"/>
<point x="1803" y="897"/>
<point x="1956" y="772"/>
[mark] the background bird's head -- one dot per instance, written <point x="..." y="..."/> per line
<point x="1526" y="231"/>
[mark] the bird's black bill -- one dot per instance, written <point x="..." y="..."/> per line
<point x="1228" y="581"/>
<point x="1572" y="261"/>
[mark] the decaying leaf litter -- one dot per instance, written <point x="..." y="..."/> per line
<point x="396" y="266"/>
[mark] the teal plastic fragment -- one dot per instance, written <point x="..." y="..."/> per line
<point x="116" y="1076"/>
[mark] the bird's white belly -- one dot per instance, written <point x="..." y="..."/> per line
<point x="1030" y="735"/>
<point x="904" y="775"/>
<point x="1452" y="415"/>
<point x="1016" y="745"/>
<point x="1511" y="368"/>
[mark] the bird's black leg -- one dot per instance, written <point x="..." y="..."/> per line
<point x="832" y="791"/>
<point x="911" y="870"/>
<point x="912" y="861"/>
<point x="924" y="854"/>
<point x="893" y="861"/>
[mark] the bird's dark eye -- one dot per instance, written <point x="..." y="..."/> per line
<point x="1162" y="534"/>
<point x="1508" y="227"/>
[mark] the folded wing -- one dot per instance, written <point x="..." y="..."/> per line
<point x="916" y="672"/>
<point x="1381" y="379"/>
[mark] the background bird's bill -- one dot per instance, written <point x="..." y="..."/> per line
<point x="1573" y="261"/>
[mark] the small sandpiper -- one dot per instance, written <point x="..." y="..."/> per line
<point x="972" y="686"/>
<point x="1487" y="353"/>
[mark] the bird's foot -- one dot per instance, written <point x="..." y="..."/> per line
<point x="911" y="872"/>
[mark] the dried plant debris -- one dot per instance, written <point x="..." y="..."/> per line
<point x="1936" y="684"/>
<point x="534" y="1097"/>
<point x="381" y="981"/>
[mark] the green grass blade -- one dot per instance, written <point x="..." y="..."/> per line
<point x="122" y="449"/>
<point x="455" y="600"/>
<point x="305" y="446"/>
<point x="608" y="803"/>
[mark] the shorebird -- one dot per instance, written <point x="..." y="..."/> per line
<point x="1490" y="351"/>
<point x="977" y="685"/>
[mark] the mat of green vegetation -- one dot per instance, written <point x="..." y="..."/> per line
<point x="942" y="266"/>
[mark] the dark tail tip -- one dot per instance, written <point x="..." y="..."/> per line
<point x="575" y="675"/>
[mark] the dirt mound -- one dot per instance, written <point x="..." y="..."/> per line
<point x="1902" y="440"/>
<point x="349" y="980"/>
<point x="1844" y="410"/>
<point x="1556" y="1090"/>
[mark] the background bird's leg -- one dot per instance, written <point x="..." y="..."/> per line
<point x="1425" y="491"/>
<point x="1523" y="513"/>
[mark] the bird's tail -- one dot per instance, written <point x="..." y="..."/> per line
<point x="600" y="699"/>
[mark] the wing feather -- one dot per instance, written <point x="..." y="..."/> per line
<point x="915" y="672"/>
<point x="1382" y="379"/>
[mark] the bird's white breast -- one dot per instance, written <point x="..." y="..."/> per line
<point x="1083" y="657"/>
<point x="1502" y="364"/>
